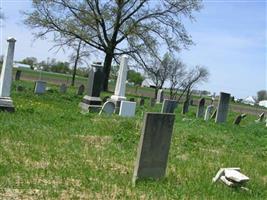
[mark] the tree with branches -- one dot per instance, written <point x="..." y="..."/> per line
<point x="115" y="27"/>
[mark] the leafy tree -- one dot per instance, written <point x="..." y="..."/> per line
<point x="32" y="61"/>
<point x="262" y="95"/>
<point x="60" y="67"/>
<point x="115" y="27"/>
<point x="135" y="77"/>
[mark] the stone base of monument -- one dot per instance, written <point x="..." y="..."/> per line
<point x="6" y="104"/>
<point x="90" y="104"/>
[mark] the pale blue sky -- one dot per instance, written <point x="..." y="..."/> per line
<point x="229" y="36"/>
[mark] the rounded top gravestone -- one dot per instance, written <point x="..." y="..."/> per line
<point x="108" y="108"/>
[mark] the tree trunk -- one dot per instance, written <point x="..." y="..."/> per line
<point x="76" y="63"/>
<point x="106" y="70"/>
<point x="156" y="92"/>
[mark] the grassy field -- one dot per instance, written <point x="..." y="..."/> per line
<point x="50" y="151"/>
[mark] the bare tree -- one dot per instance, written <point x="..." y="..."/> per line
<point x="195" y="76"/>
<point x="115" y="27"/>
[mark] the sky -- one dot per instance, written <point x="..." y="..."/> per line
<point x="229" y="36"/>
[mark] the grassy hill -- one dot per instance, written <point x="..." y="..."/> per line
<point x="50" y="151"/>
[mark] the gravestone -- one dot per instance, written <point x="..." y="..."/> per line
<point x="92" y="101"/>
<point x="201" y="108"/>
<point x="108" y="108"/>
<point x="119" y="93"/>
<point x="63" y="88"/>
<point x="152" y="102"/>
<point x="191" y="102"/>
<point x="132" y="100"/>
<point x="185" y="108"/>
<point x="261" y="118"/>
<point x="18" y="74"/>
<point x="239" y="118"/>
<point x="169" y="106"/>
<point x="81" y="90"/>
<point x="154" y="145"/>
<point x="40" y="87"/>
<point x="160" y="96"/>
<point x="127" y="109"/>
<point x="223" y="106"/>
<point x="6" y="102"/>
<point x="142" y="101"/>
<point x="208" y="112"/>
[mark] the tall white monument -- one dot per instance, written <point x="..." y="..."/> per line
<point x="6" y="103"/>
<point x="119" y="93"/>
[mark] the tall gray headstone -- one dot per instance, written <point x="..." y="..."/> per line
<point x="6" y="103"/>
<point x="169" y="106"/>
<point x="222" y="109"/>
<point x="154" y="145"/>
<point x="208" y="112"/>
<point x="201" y="108"/>
<point x="92" y="101"/>
<point x="160" y="95"/>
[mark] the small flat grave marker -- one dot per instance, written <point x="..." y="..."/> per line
<point x="108" y="108"/>
<point x="127" y="109"/>
<point x="40" y="87"/>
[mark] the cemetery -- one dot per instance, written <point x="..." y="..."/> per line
<point x="102" y="136"/>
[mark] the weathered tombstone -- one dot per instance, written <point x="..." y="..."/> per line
<point x="108" y="108"/>
<point x="160" y="96"/>
<point x="40" y="87"/>
<point x="63" y="88"/>
<point x="191" y="102"/>
<point x="92" y="101"/>
<point x="213" y="115"/>
<point x="127" y="109"/>
<point x="119" y="93"/>
<point x="132" y="99"/>
<point x="239" y="118"/>
<point x="208" y="112"/>
<point x="223" y="106"/>
<point x="201" y="108"/>
<point x="6" y="103"/>
<point x="18" y="74"/>
<point x="169" y="106"/>
<point x="154" y="145"/>
<point x="81" y="90"/>
<point x="185" y="108"/>
<point x="142" y="101"/>
<point x="261" y="118"/>
<point x="105" y="99"/>
<point x="152" y="102"/>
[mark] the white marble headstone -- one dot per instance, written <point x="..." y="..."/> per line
<point x="127" y="109"/>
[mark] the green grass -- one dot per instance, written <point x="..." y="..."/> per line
<point x="50" y="151"/>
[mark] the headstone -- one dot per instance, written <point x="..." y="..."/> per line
<point x="185" y="107"/>
<point x="239" y="118"/>
<point x="92" y="101"/>
<point x="40" y="87"/>
<point x="261" y="118"/>
<point x="191" y="102"/>
<point x="208" y="112"/>
<point x="108" y="108"/>
<point x="213" y="115"/>
<point x="142" y="101"/>
<point x="201" y="108"/>
<point x="6" y="103"/>
<point x="154" y="145"/>
<point x="80" y="90"/>
<point x="132" y="100"/>
<point x="63" y="88"/>
<point x="127" y="109"/>
<point x="169" y="106"/>
<point x="18" y="74"/>
<point x="160" y="96"/>
<point x="152" y="102"/>
<point x="223" y="106"/>
<point x="119" y="93"/>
